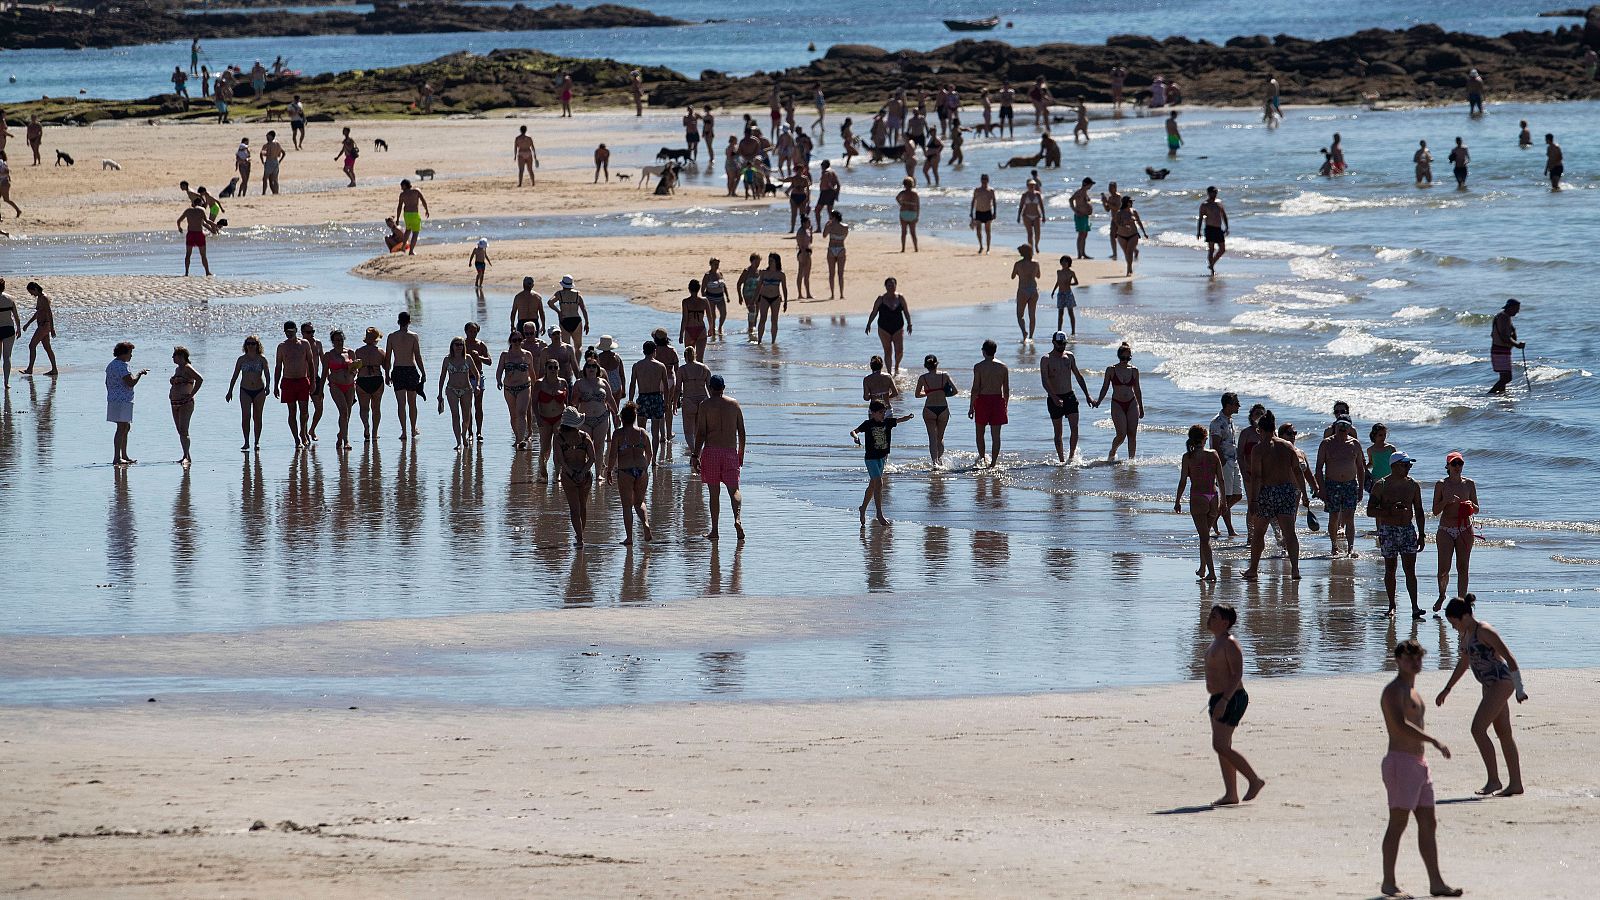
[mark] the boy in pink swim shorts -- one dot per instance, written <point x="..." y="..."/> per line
<point x="1405" y="772"/>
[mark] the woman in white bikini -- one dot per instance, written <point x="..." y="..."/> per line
<point x="458" y="380"/>
<point x="836" y="231"/>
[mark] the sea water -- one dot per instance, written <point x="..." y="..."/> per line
<point x="1034" y="576"/>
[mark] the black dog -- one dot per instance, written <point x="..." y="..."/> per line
<point x="667" y="153"/>
<point x="1157" y="174"/>
<point x="63" y="159"/>
<point x="233" y="185"/>
<point x="380" y="144"/>
<point x="879" y="154"/>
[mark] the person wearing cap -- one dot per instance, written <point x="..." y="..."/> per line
<point x="570" y="310"/>
<point x="527" y="306"/>
<point x="1503" y="337"/>
<point x="1474" y="93"/>
<point x="478" y="259"/>
<point x="575" y="459"/>
<point x="667" y="355"/>
<point x="1082" y="212"/>
<point x="1341" y="461"/>
<point x="1057" y="369"/>
<point x="406" y="211"/>
<point x="1225" y="440"/>
<point x="1214" y="219"/>
<point x="611" y="365"/>
<point x="1396" y="504"/>
<point x="879" y="428"/>
<point x="718" y="449"/>
<point x="1455" y="501"/>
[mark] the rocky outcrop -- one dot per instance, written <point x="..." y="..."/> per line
<point x="1423" y="64"/>
<point x="127" y="23"/>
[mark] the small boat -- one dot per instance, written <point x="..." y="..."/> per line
<point x="972" y="24"/>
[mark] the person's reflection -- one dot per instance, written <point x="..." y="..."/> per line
<point x="635" y="576"/>
<point x="580" y="587"/>
<point x="714" y="559"/>
<point x="183" y="540"/>
<point x="481" y="311"/>
<point x="253" y="511"/>
<point x="1271" y="614"/>
<point x="44" y="417"/>
<point x="122" y="537"/>
<point x="695" y="515"/>
<point x="722" y="671"/>
<point x="406" y="497"/>
<point x="1060" y="563"/>
<point x="9" y="452"/>
<point x="875" y="547"/>
<point x="414" y="301"/>
<point x="991" y="548"/>
<point x="935" y="552"/>
<point x="1127" y="565"/>
<point x="300" y="514"/>
<point x="342" y="515"/>
<point x="1337" y="611"/>
<point x="938" y="492"/>
<point x="463" y="505"/>
<point x="987" y="491"/>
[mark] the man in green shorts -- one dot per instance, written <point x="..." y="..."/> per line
<point x="1082" y="211"/>
<point x="407" y="211"/>
<point x="1174" y="139"/>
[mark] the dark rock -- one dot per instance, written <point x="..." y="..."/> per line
<point x="1380" y="67"/>
<point x="856" y="51"/>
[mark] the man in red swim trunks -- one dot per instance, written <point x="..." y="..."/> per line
<point x="194" y="223"/>
<point x="991" y="391"/>
<point x="293" y="382"/>
<point x="719" y="442"/>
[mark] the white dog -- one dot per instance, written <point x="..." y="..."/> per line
<point x="109" y="164"/>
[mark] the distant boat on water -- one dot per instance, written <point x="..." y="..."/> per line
<point x="972" y="24"/>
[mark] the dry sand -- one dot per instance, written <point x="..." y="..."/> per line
<point x="1091" y="794"/>
<point x="656" y="271"/>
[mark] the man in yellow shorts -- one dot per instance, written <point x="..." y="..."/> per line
<point x="407" y="211"/>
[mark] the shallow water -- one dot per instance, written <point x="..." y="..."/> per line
<point x="774" y="36"/>
<point x="1364" y="288"/>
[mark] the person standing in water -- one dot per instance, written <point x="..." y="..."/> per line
<point x="120" y="383"/>
<point x="937" y="387"/>
<point x="1214" y="219"/>
<point x="1127" y="401"/>
<point x="1082" y="214"/>
<point x="1228" y="702"/>
<point x="1225" y="441"/>
<point x="1277" y="487"/>
<point x="1423" y="161"/>
<point x="1203" y="469"/>
<point x="1485" y="653"/>
<point x="403" y="359"/>
<point x="628" y="462"/>
<point x="1057" y="369"/>
<point x="1396" y="504"/>
<point x="991" y="392"/>
<point x="1174" y="139"/>
<point x="894" y="323"/>
<point x="184" y="384"/>
<point x="1553" y="162"/>
<point x="718" y="450"/>
<point x="1455" y="502"/>
<point x="879" y="428"/>
<point x="1335" y="160"/>
<point x="293" y="380"/>
<point x="1502" y="338"/>
<point x="1459" y="158"/>
<point x="1340" y="466"/>
<point x="1406" y="778"/>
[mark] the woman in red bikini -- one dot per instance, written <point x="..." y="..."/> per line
<point x="549" y="402"/>
<point x="339" y="368"/>
<point x="1455" y="499"/>
<point x="1127" y="401"/>
<point x="1202" y="469"/>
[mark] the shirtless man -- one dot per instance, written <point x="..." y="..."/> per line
<point x="694" y="378"/>
<point x="1081" y="126"/>
<point x="648" y="385"/>
<point x="981" y="212"/>
<point x="1174" y="139"/>
<point x="194" y="223"/>
<point x="308" y="333"/>
<point x="1460" y="158"/>
<point x="407" y="375"/>
<point x="827" y="192"/>
<point x="718" y="449"/>
<point x="1082" y="212"/>
<point x="1025" y="272"/>
<point x="1111" y="201"/>
<point x="292" y="382"/>
<point x="1214" y="219"/>
<point x="1502" y="337"/>
<point x="527" y="156"/>
<point x="691" y="132"/>
<point x="1396" y="502"/>
<point x="1405" y="773"/>
<point x="564" y="354"/>
<point x="1008" y="119"/>
<point x="271" y="158"/>
<point x="406" y="211"/>
<point x="1225" y="684"/>
<point x="1553" y="165"/>
<point x="602" y="164"/>
<point x="527" y="306"/>
<point x="692" y="326"/>
<point x="1056" y="370"/>
<point x="1340" y="462"/>
<point x="1277" y="487"/>
<point x="986" y="403"/>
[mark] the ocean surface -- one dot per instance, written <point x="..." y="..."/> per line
<point x="1031" y="577"/>
<point x="768" y="36"/>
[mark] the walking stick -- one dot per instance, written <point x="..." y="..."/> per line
<point x="1525" y="376"/>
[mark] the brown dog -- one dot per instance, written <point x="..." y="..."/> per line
<point x="1022" y="162"/>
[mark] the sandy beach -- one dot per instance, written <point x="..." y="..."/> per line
<point x="655" y="271"/>
<point x="1057" y="795"/>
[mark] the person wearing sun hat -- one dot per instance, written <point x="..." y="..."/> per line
<point x="570" y="310"/>
<point x="1396" y="504"/>
<point x="575" y="460"/>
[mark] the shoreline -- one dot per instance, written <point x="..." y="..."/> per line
<point x="950" y="797"/>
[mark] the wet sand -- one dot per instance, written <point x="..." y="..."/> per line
<point x="1101" y="793"/>
<point x="656" y="270"/>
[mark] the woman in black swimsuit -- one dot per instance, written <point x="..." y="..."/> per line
<point x="937" y="387"/>
<point x="372" y="371"/>
<point x="629" y="463"/>
<point x="256" y="370"/>
<point x="575" y="462"/>
<point x="184" y="384"/>
<point x="894" y="323"/>
<point x="512" y="377"/>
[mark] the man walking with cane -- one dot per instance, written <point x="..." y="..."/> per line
<point x="1502" y="337"/>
